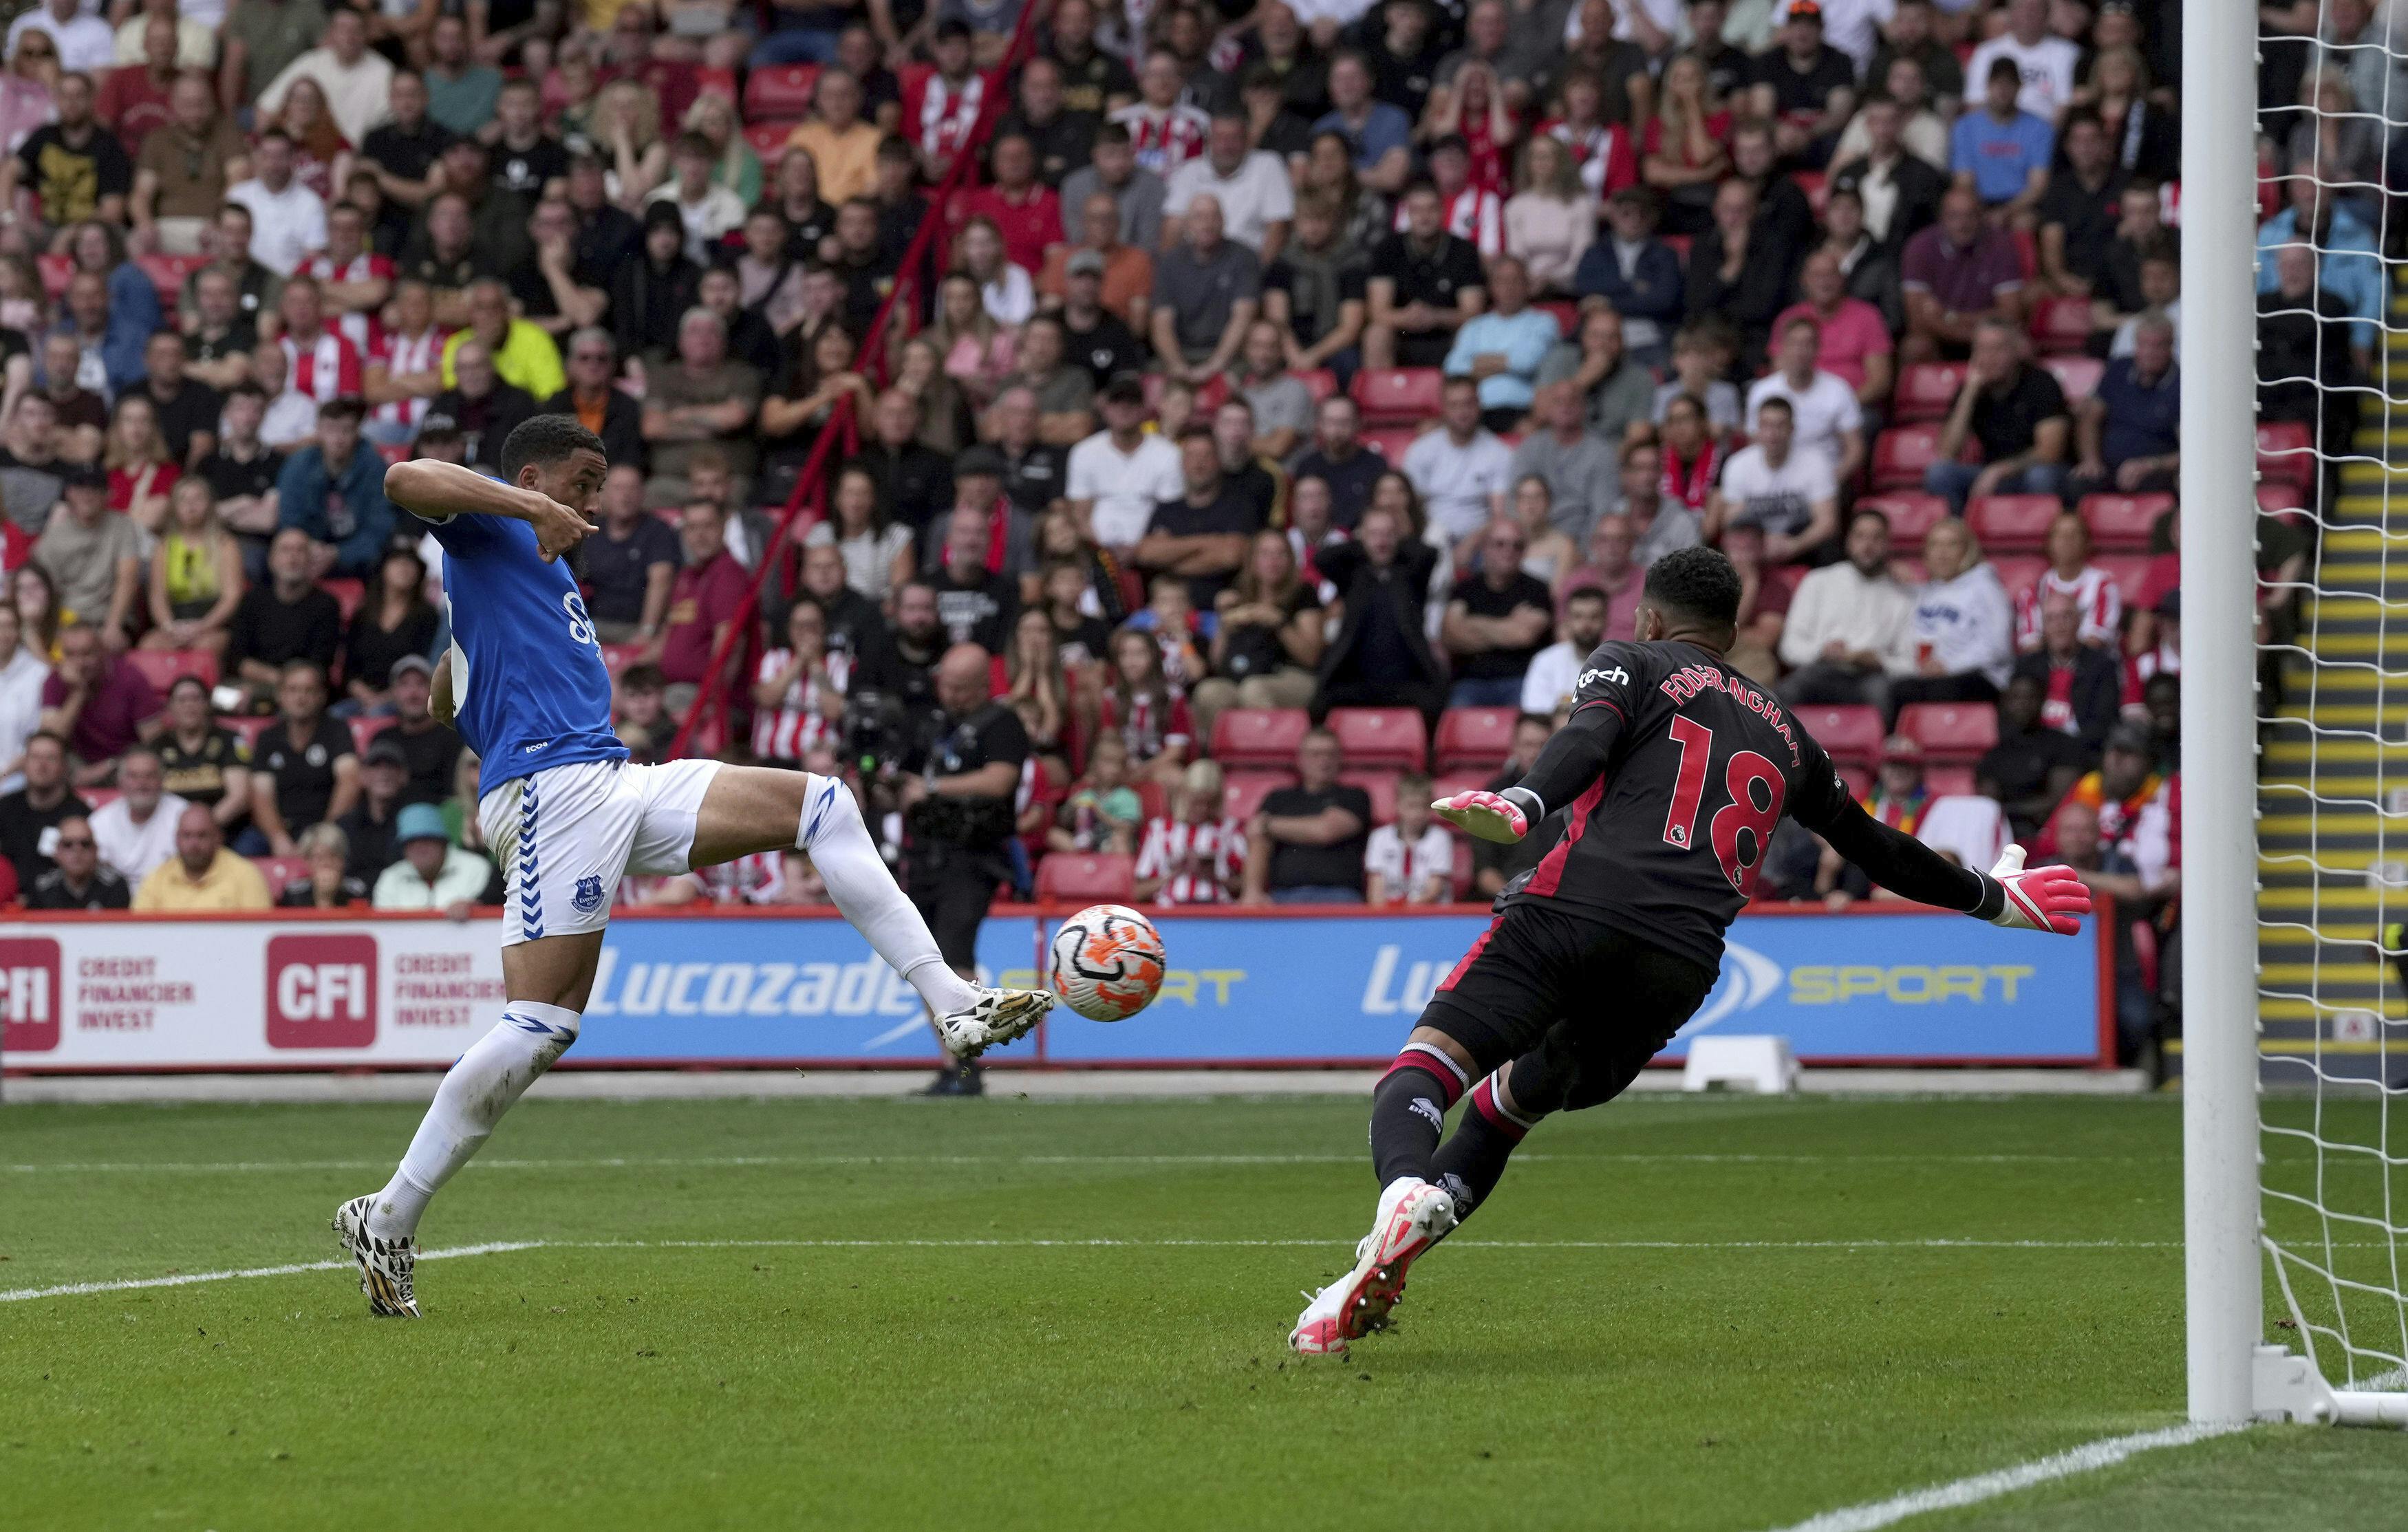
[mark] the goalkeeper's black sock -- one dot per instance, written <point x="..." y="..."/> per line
<point x="1472" y="1163"/>
<point x="1408" y="1111"/>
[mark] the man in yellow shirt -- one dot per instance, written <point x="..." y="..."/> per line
<point x="842" y="146"/>
<point x="525" y="355"/>
<point x="203" y="874"/>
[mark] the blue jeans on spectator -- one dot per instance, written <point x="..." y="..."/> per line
<point x="1317" y="893"/>
<point x="1485" y="692"/>
<point x="1955" y="481"/>
<point x="796" y="45"/>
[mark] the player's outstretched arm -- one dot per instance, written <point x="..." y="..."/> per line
<point x="440" y="490"/>
<point x="2048" y="899"/>
<point x="1574" y="758"/>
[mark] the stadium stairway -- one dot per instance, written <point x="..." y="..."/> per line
<point x="2334" y="802"/>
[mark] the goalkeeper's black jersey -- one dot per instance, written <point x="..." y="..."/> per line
<point x="1702" y="764"/>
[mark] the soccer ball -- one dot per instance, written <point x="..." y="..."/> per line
<point x="1106" y="962"/>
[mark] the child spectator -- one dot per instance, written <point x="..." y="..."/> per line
<point x="643" y="721"/>
<point x="1102" y="811"/>
<point x="1411" y="861"/>
<point x="799" y="692"/>
<point x="1197" y="853"/>
<point x="1171" y="617"/>
<point x="1139" y="707"/>
<point x="2098" y="601"/>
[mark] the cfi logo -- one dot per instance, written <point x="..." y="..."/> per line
<point x="588" y="898"/>
<point x="29" y="995"/>
<point x="322" y="990"/>
<point x="1617" y="675"/>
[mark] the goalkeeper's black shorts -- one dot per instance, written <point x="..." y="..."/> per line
<point x="1598" y="1000"/>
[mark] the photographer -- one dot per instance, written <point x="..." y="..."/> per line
<point x="957" y="815"/>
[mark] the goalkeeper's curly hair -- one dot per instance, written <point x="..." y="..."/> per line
<point x="1697" y="583"/>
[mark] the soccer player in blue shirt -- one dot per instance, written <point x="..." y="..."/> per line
<point x="568" y="815"/>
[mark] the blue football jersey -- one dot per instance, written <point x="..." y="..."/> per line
<point x="527" y="678"/>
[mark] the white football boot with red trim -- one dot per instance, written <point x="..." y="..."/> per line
<point x="1413" y="1215"/>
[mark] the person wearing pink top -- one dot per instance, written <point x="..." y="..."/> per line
<point x="1856" y="343"/>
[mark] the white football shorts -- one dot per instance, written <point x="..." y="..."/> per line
<point x="566" y="835"/>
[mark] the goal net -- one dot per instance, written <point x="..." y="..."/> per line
<point x="2325" y="1045"/>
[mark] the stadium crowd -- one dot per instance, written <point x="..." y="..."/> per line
<point x="1276" y="407"/>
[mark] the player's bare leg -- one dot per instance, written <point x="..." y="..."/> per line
<point x="753" y="809"/>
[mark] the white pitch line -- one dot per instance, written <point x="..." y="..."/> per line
<point x="499" y="1247"/>
<point x="186" y="1279"/>
<point x="740" y="1161"/>
<point x="2105" y="1453"/>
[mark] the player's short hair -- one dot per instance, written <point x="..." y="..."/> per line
<point x="1695" y="582"/>
<point x="545" y="439"/>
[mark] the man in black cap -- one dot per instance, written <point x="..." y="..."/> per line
<point x="429" y="747"/>
<point x="1094" y="336"/>
<point x="384" y="774"/>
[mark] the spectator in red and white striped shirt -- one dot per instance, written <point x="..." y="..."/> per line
<point x="2071" y="574"/>
<point x="319" y="362"/>
<point x="354" y="280"/>
<point x="406" y="368"/>
<point x="1139" y="707"/>
<point x="799" y="691"/>
<point x="1165" y="132"/>
<point x="1197" y="853"/>
<point x="949" y="100"/>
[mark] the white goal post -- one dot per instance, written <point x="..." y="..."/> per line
<point x="2332" y="1244"/>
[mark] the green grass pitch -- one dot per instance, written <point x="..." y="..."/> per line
<point x="1708" y="1313"/>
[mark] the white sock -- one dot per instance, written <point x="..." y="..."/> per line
<point x="831" y="833"/>
<point x="486" y="1082"/>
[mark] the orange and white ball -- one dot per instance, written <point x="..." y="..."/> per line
<point x="1106" y="962"/>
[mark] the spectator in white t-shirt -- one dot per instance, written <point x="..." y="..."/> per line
<point x="85" y="42"/>
<point x="137" y="831"/>
<point x="1257" y="200"/>
<point x="1787" y="492"/>
<point x="1850" y="626"/>
<point x="1823" y="407"/>
<point x="1461" y="470"/>
<point x="2045" y="60"/>
<point x="288" y="221"/>
<point x="1411" y="861"/>
<point x="1555" y="671"/>
<point x="1118" y="476"/>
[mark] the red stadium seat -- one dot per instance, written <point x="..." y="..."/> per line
<point x="1788" y="577"/>
<point x="246" y="729"/>
<point x="2129" y="571"/>
<point x="617" y="657"/>
<point x="1447" y="785"/>
<point x="367" y="729"/>
<point x="1817" y="186"/>
<point x="1390" y="442"/>
<point x="1850" y="733"/>
<point x="1950" y="732"/>
<point x="1857" y="779"/>
<point x="280" y="870"/>
<point x="167" y="274"/>
<point x="1462" y="871"/>
<point x="1398" y="396"/>
<point x="1382" y="786"/>
<point x="1242" y="791"/>
<point x="2278" y="495"/>
<point x="780" y="90"/>
<point x="2026" y="252"/>
<point x="1087" y="877"/>
<point x="722" y="81"/>
<point x="1318" y="381"/>
<point x="2061" y="325"/>
<point x="1948" y="782"/>
<point x="1473" y="738"/>
<point x="1262" y="738"/>
<point x="57" y="271"/>
<point x="2287" y="451"/>
<point x="1679" y="245"/>
<point x="1901" y="454"/>
<point x="161" y="668"/>
<point x="1566" y="316"/>
<point x="1375" y="739"/>
<point x="2019" y="572"/>
<point x="2014" y="523"/>
<point x="1912" y="513"/>
<point x="768" y="141"/>
<point x="1211" y="395"/>
<point x="347" y="594"/>
<point x="99" y="798"/>
<point x="2121" y="523"/>
<point x="2078" y="376"/>
<point x="1927" y="391"/>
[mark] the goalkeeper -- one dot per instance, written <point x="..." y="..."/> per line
<point x="1670" y="775"/>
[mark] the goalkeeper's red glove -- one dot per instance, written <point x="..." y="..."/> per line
<point x="2051" y="898"/>
<point x="1483" y="815"/>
